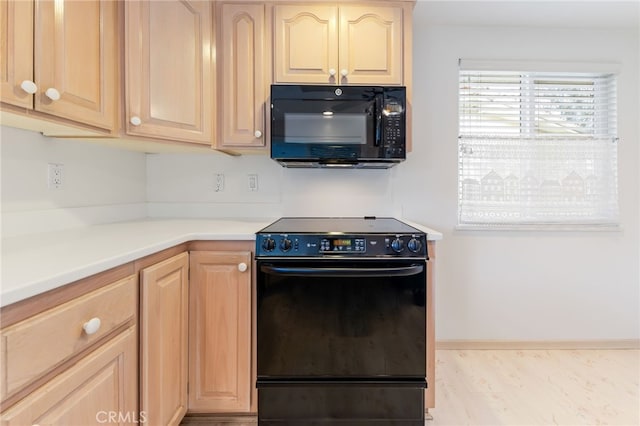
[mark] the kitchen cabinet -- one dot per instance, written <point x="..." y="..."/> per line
<point x="244" y="77"/>
<point x="61" y="58"/>
<point x="100" y="385"/>
<point x="164" y="315"/>
<point x="169" y="70"/>
<point x="327" y="43"/>
<point x="70" y="362"/>
<point x="220" y="333"/>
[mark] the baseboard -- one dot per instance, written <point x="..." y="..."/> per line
<point x="538" y="344"/>
<point x="219" y="420"/>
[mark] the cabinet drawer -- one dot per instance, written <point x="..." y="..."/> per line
<point x="34" y="346"/>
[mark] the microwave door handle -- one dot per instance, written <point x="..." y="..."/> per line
<point x="378" y="113"/>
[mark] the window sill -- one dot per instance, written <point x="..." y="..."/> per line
<point x="541" y="227"/>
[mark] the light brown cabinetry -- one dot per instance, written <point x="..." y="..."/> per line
<point x="164" y="316"/>
<point x="99" y="386"/>
<point x="220" y="339"/>
<point x="74" y="361"/>
<point x="169" y="70"/>
<point x="61" y="58"/>
<point x="339" y="44"/>
<point x="244" y="77"/>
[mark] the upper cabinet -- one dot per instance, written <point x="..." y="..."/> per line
<point x="169" y="70"/>
<point x="16" y="41"/>
<point x="61" y="58"/>
<point x="244" y="79"/>
<point x="339" y="44"/>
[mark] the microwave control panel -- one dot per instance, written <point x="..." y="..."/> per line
<point x="393" y="137"/>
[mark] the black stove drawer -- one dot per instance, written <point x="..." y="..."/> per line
<point x="351" y="405"/>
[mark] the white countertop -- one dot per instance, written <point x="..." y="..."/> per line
<point x="35" y="263"/>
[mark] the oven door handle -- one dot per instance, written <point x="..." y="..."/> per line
<point x="403" y="271"/>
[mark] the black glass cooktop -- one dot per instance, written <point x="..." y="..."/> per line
<point x="347" y="225"/>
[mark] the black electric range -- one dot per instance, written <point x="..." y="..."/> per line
<point x="341" y="322"/>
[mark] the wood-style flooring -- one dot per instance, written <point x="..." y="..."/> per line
<point x="537" y="387"/>
<point x="524" y="387"/>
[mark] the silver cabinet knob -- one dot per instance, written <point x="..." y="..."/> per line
<point x="135" y="120"/>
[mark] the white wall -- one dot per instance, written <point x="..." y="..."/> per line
<point x="100" y="184"/>
<point x="490" y="285"/>
<point x="180" y="185"/>
<point x="521" y="285"/>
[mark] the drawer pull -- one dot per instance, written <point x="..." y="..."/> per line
<point x="242" y="267"/>
<point x="92" y="326"/>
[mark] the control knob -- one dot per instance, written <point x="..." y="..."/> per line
<point x="268" y="244"/>
<point x="414" y="245"/>
<point x="397" y="245"/>
<point x="285" y="245"/>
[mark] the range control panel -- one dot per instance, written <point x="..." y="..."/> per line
<point x="312" y="245"/>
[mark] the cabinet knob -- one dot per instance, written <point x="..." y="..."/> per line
<point x="242" y="266"/>
<point x="344" y="72"/>
<point x="135" y="120"/>
<point x="258" y="134"/>
<point x="29" y="87"/>
<point x="332" y="72"/>
<point x="52" y="94"/>
<point x="91" y="326"/>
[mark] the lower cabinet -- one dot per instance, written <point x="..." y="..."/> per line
<point x="70" y="357"/>
<point x="220" y="360"/>
<point x="164" y="315"/>
<point x="100" y="388"/>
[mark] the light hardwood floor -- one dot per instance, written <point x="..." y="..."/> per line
<point x="537" y="387"/>
<point x="526" y="387"/>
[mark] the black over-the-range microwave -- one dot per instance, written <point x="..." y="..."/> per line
<point x="338" y="126"/>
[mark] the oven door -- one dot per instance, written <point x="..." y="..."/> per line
<point x="356" y="320"/>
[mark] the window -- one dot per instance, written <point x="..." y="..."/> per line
<point x="536" y="148"/>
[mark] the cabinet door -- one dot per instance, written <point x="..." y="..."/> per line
<point x="76" y="58"/>
<point x="371" y="44"/>
<point x="243" y="88"/>
<point x="164" y="315"/>
<point x="168" y="71"/>
<point x="220" y="332"/>
<point x="306" y="44"/>
<point x="16" y="51"/>
<point x="102" y="384"/>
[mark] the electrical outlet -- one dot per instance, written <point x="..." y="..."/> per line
<point x="218" y="182"/>
<point x="252" y="182"/>
<point x="56" y="175"/>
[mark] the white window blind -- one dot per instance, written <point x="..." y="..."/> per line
<point x="537" y="148"/>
